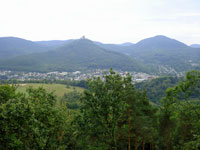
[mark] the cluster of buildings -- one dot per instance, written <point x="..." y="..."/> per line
<point x="164" y="69"/>
<point x="77" y="75"/>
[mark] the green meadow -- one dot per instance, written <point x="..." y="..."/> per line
<point x="58" y="89"/>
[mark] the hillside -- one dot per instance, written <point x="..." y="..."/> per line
<point x="165" y="53"/>
<point x="53" y="43"/>
<point x="195" y="45"/>
<point x="156" y="88"/>
<point x="12" y="46"/>
<point x="78" y="55"/>
<point x="121" y="48"/>
<point x="58" y="89"/>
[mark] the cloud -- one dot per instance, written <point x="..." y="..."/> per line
<point x="189" y="14"/>
<point x="102" y="20"/>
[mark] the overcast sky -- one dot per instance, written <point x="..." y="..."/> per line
<point x="109" y="21"/>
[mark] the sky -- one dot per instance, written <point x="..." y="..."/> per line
<point x="108" y="21"/>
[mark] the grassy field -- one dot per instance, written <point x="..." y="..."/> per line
<point x="58" y="89"/>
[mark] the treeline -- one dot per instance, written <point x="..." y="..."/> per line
<point x="156" y="88"/>
<point x="112" y="115"/>
<point x="81" y="83"/>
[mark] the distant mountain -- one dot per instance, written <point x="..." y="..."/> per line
<point x="126" y="44"/>
<point x="121" y="48"/>
<point x="111" y="47"/>
<point x="195" y="45"/>
<point x="165" y="53"/>
<point x="12" y="46"/>
<point x="160" y="41"/>
<point x="80" y="54"/>
<point x="53" y="43"/>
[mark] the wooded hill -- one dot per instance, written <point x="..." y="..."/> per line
<point x="80" y="54"/>
<point x="157" y="55"/>
<point x="12" y="46"/>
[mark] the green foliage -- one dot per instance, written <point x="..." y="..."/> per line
<point x="103" y="107"/>
<point x="58" y="89"/>
<point x="6" y="92"/>
<point x="72" y="99"/>
<point x="180" y="119"/>
<point x="156" y="88"/>
<point x="81" y="83"/>
<point x="103" y="122"/>
<point x="110" y="115"/>
<point x="32" y="122"/>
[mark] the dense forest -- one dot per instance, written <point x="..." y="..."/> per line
<point x="156" y="88"/>
<point x="111" y="114"/>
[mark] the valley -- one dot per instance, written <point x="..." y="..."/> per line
<point x="100" y="75"/>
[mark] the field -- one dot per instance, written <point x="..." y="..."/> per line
<point x="58" y="89"/>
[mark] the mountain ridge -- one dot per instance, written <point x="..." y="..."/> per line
<point x="78" y="55"/>
<point x="163" y="54"/>
<point x="195" y="45"/>
<point x="13" y="46"/>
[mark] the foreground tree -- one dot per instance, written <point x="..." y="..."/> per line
<point x="112" y="115"/>
<point x="103" y="107"/>
<point x="32" y="121"/>
<point x="179" y="118"/>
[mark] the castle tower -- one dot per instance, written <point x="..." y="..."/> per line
<point x="83" y="37"/>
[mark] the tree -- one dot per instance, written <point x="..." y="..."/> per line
<point x="7" y="92"/>
<point x="113" y="114"/>
<point x="32" y="121"/>
<point x="185" y="113"/>
<point x="72" y="99"/>
<point x="103" y="107"/>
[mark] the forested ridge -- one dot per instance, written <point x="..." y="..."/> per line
<point x="81" y="54"/>
<point x="158" y="55"/>
<point x="111" y="114"/>
<point x="156" y="88"/>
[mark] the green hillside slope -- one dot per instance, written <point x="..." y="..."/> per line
<point x="78" y="55"/>
<point x="12" y="46"/>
